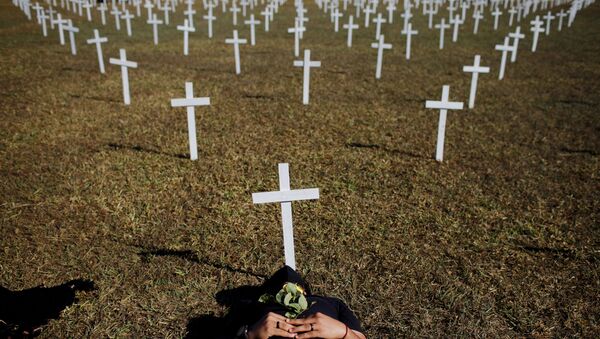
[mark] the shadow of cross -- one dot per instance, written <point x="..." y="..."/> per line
<point x="285" y="196"/>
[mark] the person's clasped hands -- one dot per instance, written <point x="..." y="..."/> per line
<point x="317" y="325"/>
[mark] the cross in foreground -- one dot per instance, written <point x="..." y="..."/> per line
<point x="285" y="196"/>
<point x="444" y="105"/>
<point x="189" y="102"/>
<point x="306" y="64"/>
<point x="125" y="64"/>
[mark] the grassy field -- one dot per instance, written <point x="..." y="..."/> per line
<point x="502" y="239"/>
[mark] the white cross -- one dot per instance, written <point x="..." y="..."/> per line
<point x="306" y="64"/>
<point x="51" y="14"/>
<point x="378" y="20"/>
<point x="61" y="26"/>
<point x="115" y="11"/>
<point x="517" y="35"/>
<point x="236" y="49"/>
<point x="42" y="17"/>
<point x="148" y="6"/>
<point x="512" y="11"/>
<point x="504" y="48"/>
<point x="268" y="15"/>
<point x="189" y="102"/>
<point x="98" y="41"/>
<point x="102" y="8"/>
<point x="336" y="15"/>
<point x="166" y="8"/>
<point x="186" y="29"/>
<point x="296" y="31"/>
<point x="155" y="22"/>
<point x="210" y="17"/>
<point x="127" y="17"/>
<point x="442" y="26"/>
<point x="350" y="26"/>
<point x="476" y="16"/>
<point x="560" y="16"/>
<point x="190" y="14"/>
<point x="475" y="69"/>
<point x="72" y="30"/>
<point x="235" y="10"/>
<point x="252" y="24"/>
<point x="285" y="196"/>
<point x="391" y="8"/>
<point x="302" y="20"/>
<point x="496" y="13"/>
<point x="444" y="105"/>
<point x="38" y="8"/>
<point x="380" y="45"/>
<point x="406" y="16"/>
<point x="456" y="22"/>
<point x="368" y="11"/>
<point x="124" y="63"/>
<point x="536" y="29"/>
<point x="430" y="12"/>
<point x="409" y="32"/>
<point x="88" y="12"/>
<point x="549" y="17"/>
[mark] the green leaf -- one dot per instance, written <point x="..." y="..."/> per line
<point x="279" y="296"/>
<point x="302" y="302"/>
<point x="290" y="315"/>
<point x="266" y="298"/>
<point x="291" y="288"/>
<point x="286" y="300"/>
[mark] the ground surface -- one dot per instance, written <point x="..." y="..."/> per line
<point x="501" y="239"/>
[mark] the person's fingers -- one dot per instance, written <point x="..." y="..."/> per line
<point x="301" y="321"/>
<point x="308" y="335"/>
<point x="280" y="333"/>
<point x="276" y="316"/>
<point x="284" y="326"/>
<point x="301" y="328"/>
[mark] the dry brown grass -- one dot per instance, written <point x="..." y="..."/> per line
<point x="501" y="239"/>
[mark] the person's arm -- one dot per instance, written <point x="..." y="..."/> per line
<point x="320" y="325"/>
<point x="272" y="324"/>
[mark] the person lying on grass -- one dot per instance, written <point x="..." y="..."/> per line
<point x="288" y="309"/>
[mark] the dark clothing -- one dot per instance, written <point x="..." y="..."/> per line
<point x="332" y="307"/>
<point x="246" y="310"/>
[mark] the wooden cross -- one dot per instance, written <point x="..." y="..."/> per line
<point x="408" y="32"/>
<point x="186" y="29"/>
<point x="475" y="69"/>
<point x="252" y="22"/>
<point x="189" y="102"/>
<point x="306" y="64"/>
<point x="210" y="17"/>
<point x="380" y="45"/>
<point x="444" y="105"/>
<point x="517" y="35"/>
<point x="154" y="22"/>
<point x="442" y="27"/>
<point x="236" y="49"/>
<point x="125" y="64"/>
<point x="504" y="48"/>
<point x="536" y="29"/>
<point x="350" y="27"/>
<point x="285" y="196"/>
<point x="98" y="41"/>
